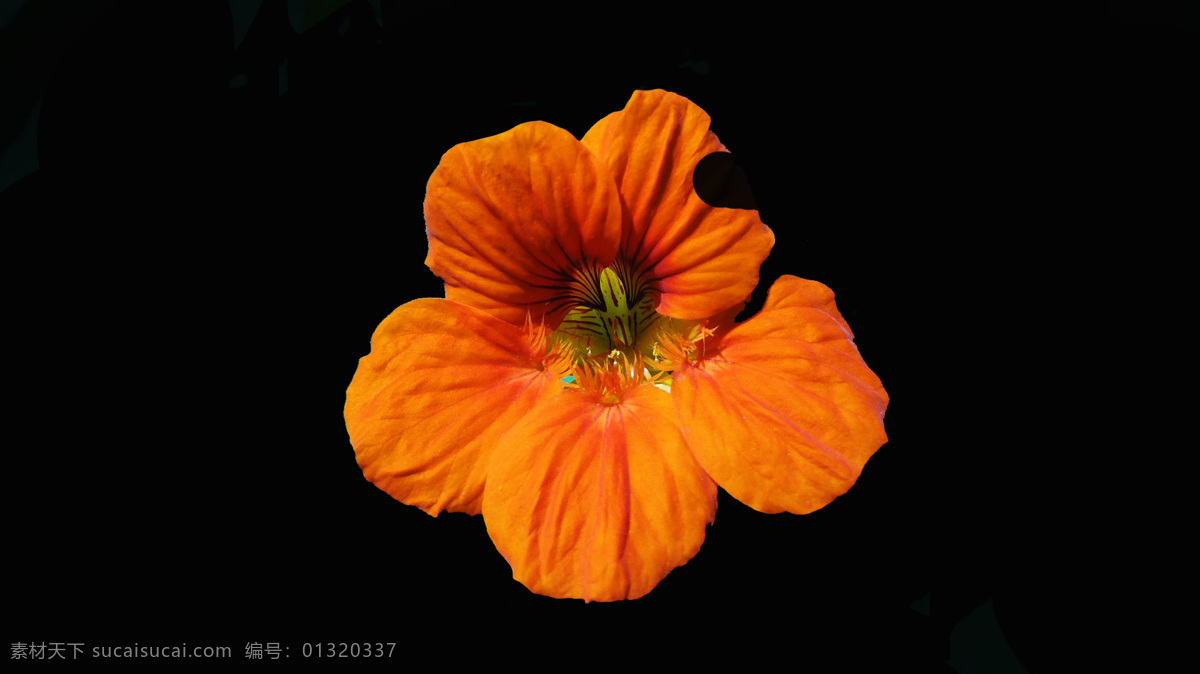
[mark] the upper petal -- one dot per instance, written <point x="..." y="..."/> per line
<point x="782" y="411"/>
<point x="426" y="407"/>
<point x="596" y="501"/>
<point x="704" y="259"/>
<point x="512" y="217"/>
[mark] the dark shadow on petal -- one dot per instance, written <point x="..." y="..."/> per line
<point x="721" y="183"/>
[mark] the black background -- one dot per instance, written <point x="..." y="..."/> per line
<point x="215" y="229"/>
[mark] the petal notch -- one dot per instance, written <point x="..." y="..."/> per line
<point x="704" y="259"/>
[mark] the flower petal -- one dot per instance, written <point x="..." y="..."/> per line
<point x="782" y="411"/>
<point x="512" y="217"/>
<point x="705" y="259"/>
<point x="425" y="408"/>
<point x="596" y="501"/>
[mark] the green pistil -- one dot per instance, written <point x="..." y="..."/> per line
<point x="609" y="319"/>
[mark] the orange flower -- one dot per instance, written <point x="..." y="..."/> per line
<point x="583" y="384"/>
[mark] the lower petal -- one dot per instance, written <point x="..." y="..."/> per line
<point x="782" y="411"/>
<point x="597" y="501"/>
<point x="426" y="407"/>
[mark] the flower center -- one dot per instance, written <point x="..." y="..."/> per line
<point x="612" y="338"/>
<point x="613" y="309"/>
